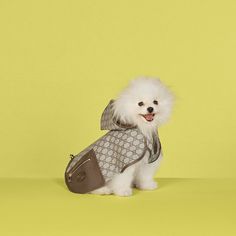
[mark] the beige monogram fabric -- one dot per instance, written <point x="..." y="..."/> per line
<point x="121" y="147"/>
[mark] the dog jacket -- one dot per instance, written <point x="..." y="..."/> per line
<point x="121" y="147"/>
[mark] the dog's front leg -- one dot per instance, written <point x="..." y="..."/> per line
<point x="121" y="184"/>
<point x="144" y="176"/>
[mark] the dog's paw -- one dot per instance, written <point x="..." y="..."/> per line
<point x="123" y="192"/>
<point x="150" y="185"/>
<point x="102" y="191"/>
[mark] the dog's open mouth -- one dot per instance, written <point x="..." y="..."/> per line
<point x="148" y="117"/>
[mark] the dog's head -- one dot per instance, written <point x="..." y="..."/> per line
<point x="146" y="102"/>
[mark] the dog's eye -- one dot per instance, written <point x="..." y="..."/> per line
<point x="155" y="102"/>
<point x="140" y="104"/>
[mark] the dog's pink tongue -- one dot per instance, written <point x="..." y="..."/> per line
<point x="149" y="117"/>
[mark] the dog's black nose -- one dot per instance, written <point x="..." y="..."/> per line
<point x="150" y="109"/>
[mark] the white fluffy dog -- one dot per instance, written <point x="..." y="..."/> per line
<point x="147" y="104"/>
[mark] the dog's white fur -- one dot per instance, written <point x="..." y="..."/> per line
<point x="127" y="110"/>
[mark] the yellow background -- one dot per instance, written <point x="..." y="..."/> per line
<point x="180" y="207"/>
<point x="62" y="61"/>
<point x="60" y="64"/>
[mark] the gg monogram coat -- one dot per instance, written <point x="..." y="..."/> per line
<point x="121" y="147"/>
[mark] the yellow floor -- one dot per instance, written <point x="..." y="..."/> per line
<point x="179" y="207"/>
